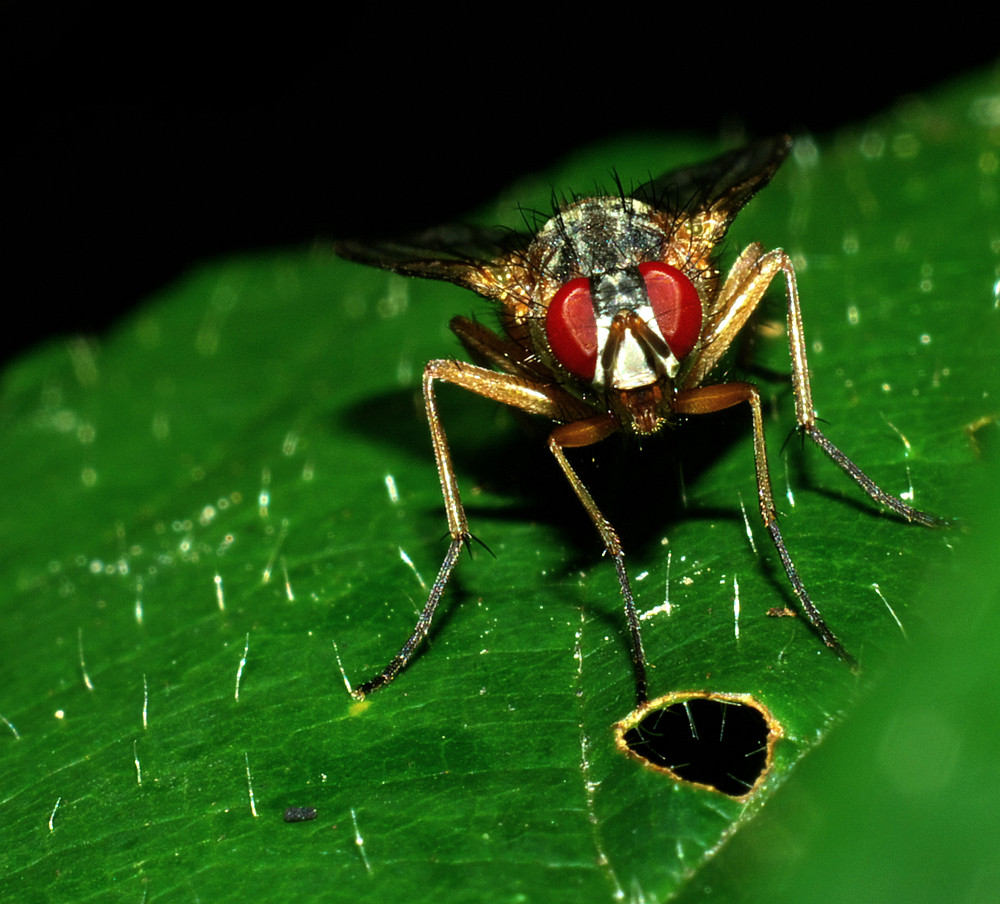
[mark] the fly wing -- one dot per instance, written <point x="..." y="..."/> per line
<point x="465" y="255"/>
<point x="710" y="194"/>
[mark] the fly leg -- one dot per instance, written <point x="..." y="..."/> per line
<point x="585" y="433"/>
<point x="516" y="391"/>
<point x="707" y="399"/>
<point x="405" y="654"/>
<point x="743" y="290"/>
<point x="769" y="266"/>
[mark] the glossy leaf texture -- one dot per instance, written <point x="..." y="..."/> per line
<point x="198" y="505"/>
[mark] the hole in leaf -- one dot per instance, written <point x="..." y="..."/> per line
<point x="722" y="742"/>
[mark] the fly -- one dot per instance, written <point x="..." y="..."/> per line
<point x="613" y="318"/>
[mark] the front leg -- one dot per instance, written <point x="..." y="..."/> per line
<point x="739" y="297"/>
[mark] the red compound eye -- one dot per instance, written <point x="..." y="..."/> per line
<point x="572" y="330"/>
<point x="675" y="304"/>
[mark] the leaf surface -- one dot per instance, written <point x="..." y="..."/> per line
<point x="201" y="503"/>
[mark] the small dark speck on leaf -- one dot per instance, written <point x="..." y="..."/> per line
<point x="300" y="814"/>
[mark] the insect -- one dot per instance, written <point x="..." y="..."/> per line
<point x="614" y="317"/>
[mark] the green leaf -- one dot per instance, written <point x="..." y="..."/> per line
<point x="206" y="500"/>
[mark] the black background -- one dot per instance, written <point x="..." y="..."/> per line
<point x="139" y="143"/>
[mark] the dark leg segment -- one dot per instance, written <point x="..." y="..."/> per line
<point x="402" y="658"/>
<point x="893" y="503"/>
